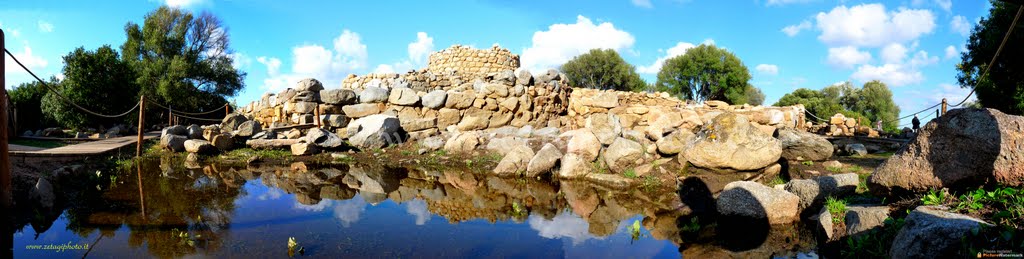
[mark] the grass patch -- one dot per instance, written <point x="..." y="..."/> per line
<point x="837" y="207"/>
<point x="38" y="143"/>
<point x="854" y="169"/>
<point x="807" y="163"/>
<point x="650" y="183"/>
<point x="862" y="183"/>
<point x="776" y="181"/>
<point x="630" y="173"/>
<point x="934" y="197"/>
<point x="834" y="169"/>
<point x="245" y="153"/>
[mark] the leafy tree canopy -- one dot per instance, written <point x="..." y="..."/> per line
<point x="873" y="102"/>
<point x="1003" y="87"/>
<point x="754" y="96"/>
<point x="182" y="59"/>
<point x="603" y="69"/>
<point x="704" y="73"/>
<point x="97" y="80"/>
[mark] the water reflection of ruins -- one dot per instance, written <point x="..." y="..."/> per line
<point x="201" y="199"/>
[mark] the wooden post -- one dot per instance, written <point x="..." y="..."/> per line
<point x="227" y="110"/>
<point x="142" y="125"/>
<point x="944" y="106"/>
<point x="169" y="116"/>
<point x="5" y="160"/>
<point x="142" y="200"/>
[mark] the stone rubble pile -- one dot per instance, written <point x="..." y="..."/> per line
<point x="840" y="125"/>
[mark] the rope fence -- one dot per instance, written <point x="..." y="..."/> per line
<point x="183" y="114"/>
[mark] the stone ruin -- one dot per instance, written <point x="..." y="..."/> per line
<point x="465" y="89"/>
<point x="841" y="126"/>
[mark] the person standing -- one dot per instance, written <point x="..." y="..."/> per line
<point x="916" y="123"/>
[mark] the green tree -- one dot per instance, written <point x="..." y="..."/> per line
<point x="875" y="102"/>
<point x="182" y="59"/>
<point x="754" y="96"/>
<point x="818" y="103"/>
<point x="1003" y="87"/>
<point x="26" y="100"/>
<point x="704" y="73"/>
<point x="96" y="80"/>
<point x="603" y="69"/>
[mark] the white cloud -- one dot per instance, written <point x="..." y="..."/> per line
<point x="870" y="25"/>
<point x="329" y="66"/>
<point x="847" y="57"/>
<point x="921" y="58"/>
<point x="419" y="53"/>
<point x="182" y="3"/>
<point x="893" y="53"/>
<point x="319" y="206"/>
<point x="418" y="208"/>
<point x="951" y="52"/>
<point x="240" y="61"/>
<point x="643" y="3"/>
<point x="768" y="69"/>
<point x="793" y="30"/>
<point x="946" y="5"/>
<point x="960" y="25"/>
<point x="562" y="42"/>
<point x="349" y="211"/>
<point x="273" y="65"/>
<point x="952" y="93"/>
<point x="27" y="58"/>
<point x="421" y="48"/>
<point x="677" y="50"/>
<point x="565" y="225"/>
<point x="784" y="2"/>
<point x="45" y="26"/>
<point x="892" y="74"/>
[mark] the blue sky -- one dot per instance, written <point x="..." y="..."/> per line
<point x="911" y="45"/>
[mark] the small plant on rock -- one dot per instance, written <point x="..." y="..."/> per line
<point x="934" y="197"/>
<point x="807" y="163"/>
<point x="836" y="207"/>
<point x="834" y="169"/>
<point x="630" y="173"/>
<point x="776" y="181"/>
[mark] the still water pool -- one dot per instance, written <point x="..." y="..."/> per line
<point x="161" y="209"/>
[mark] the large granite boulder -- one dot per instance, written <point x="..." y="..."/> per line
<point x="175" y="130"/>
<point x="623" y="154"/>
<point x="199" y="146"/>
<point x="812" y="192"/>
<point x="463" y="142"/>
<point x="374" y="131"/>
<point x="434" y="99"/>
<point x="606" y="127"/>
<point x="194" y="132"/>
<point x="800" y="145"/>
<point x="248" y="129"/>
<point x="932" y="232"/>
<point x="309" y="84"/>
<point x="373" y="95"/>
<point x="583" y="143"/>
<point x="674" y="142"/>
<point x="515" y="161"/>
<point x="753" y="200"/>
<point x="323" y="138"/>
<point x="175" y="143"/>
<point x="338" y="97"/>
<point x="543" y="161"/>
<point x="730" y="142"/>
<point x="232" y="121"/>
<point x="965" y="147"/>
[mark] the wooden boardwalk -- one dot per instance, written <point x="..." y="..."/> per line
<point x="93" y="148"/>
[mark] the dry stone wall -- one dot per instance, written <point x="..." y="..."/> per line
<point x="465" y="89"/>
<point x="467" y="62"/>
<point x="647" y="112"/>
